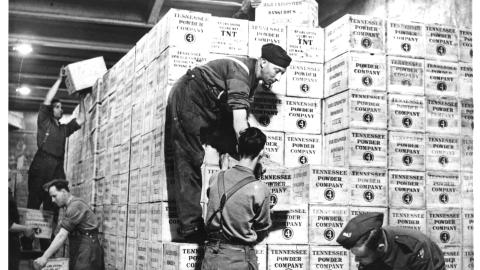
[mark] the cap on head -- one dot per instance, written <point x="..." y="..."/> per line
<point x="359" y="226"/>
<point x="276" y="55"/>
<point x="61" y="182"/>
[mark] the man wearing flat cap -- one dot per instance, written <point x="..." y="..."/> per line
<point x="80" y="225"/>
<point x="384" y="248"/>
<point x="209" y="105"/>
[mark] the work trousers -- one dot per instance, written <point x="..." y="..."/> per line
<point x="194" y="116"/>
<point x="219" y="256"/>
<point x="86" y="253"/>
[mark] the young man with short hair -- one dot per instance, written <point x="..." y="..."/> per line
<point x="238" y="211"/>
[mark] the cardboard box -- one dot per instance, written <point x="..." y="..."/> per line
<point x="305" y="43"/>
<point x="368" y="186"/>
<point x="289" y="227"/>
<point x="182" y="256"/>
<point x="328" y="185"/>
<point x="302" y="115"/>
<point x="444" y="226"/>
<point x="84" y="74"/>
<point x="298" y="12"/>
<point x="443" y="115"/>
<point x="326" y="223"/>
<point x="467" y="222"/>
<point x="406" y="151"/>
<point x="465" y="44"/>
<point x="356" y="147"/>
<point x="304" y="79"/>
<point x="329" y="257"/>
<point x="466" y="114"/>
<point x="287" y="257"/>
<point x="465" y="80"/>
<point x="155" y="255"/>
<point x="405" y="75"/>
<point x="442" y="152"/>
<point x="406" y="113"/>
<point x="355" y="71"/>
<point x="261" y="252"/>
<point x="453" y="256"/>
<point x="467" y="189"/>
<point x="467" y="255"/>
<point x="280" y="182"/>
<point x="132" y="220"/>
<point x="228" y="36"/>
<point x="266" y="112"/>
<point x="355" y="108"/>
<point x="354" y="33"/>
<point x="443" y="190"/>
<point x="158" y="181"/>
<point x="301" y="149"/>
<point x="441" y="78"/>
<point x="406" y="189"/>
<point x="262" y="33"/>
<point x="415" y="219"/>
<point x="405" y="39"/>
<point x="275" y="146"/>
<point x="39" y="219"/>
<point x="466" y="158"/>
<point x="441" y="42"/>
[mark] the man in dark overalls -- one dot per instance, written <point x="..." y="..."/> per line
<point x="238" y="212"/>
<point x="80" y="225"/>
<point x="48" y="161"/>
<point x="387" y="248"/>
<point x="209" y="105"/>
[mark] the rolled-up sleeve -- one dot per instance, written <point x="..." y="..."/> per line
<point x="73" y="216"/>
<point x="238" y="88"/>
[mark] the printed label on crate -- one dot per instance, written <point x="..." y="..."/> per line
<point x="405" y="75"/>
<point x="356" y="33"/>
<point x="275" y="146"/>
<point x="328" y="257"/>
<point x="229" y="36"/>
<point x="304" y="79"/>
<point x="38" y="219"/>
<point x="355" y="71"/>
<point x="442" y="152"/>
<point x="287" y="257"/>
<point x="170" y="223"/>
<point x="465" y="80"/>
<point x="132" y="220"/>
<point x="406" y="151"/>
<point x="355" y="108"/>
<point x="359" y="210"/>
<point x="467" y="262"/>
<point x="266" y="112"/>
<point x="441" y="78"/>
<point x="297" y="12"/>
<point x="184" y="29"/>
<point x="467" y="189"/>
<point x="289" y="227"/>
<point x="467" y="153"/>
<point x="261" y="252"/>
<point x="406" y="112"/>
<point x="406" y="189"/>
<point x="155" y="255"/>
<point x="147" y="146"/>
<point x="131" y="250"/>
<point x="367" y="148"/>
<point x="453" y="257"/>
<point x="182" y="256"/>
<point x="134" y="185"/>
<point x="57" y="264"/>
<point x="444" y="226"/>
<point x="466" y="113"/>
<point x="326" y="223"/>
<point x="368" y="186"/>
<point x="405" y="39"/>
<point x="302" y="115"/>
<point x="441" y="42"/>
<point x="178" y="61"/>
<point x="122" y="220"/>
<point x="155" y="228"/>
<point x="260" y="34"/>
<point x="467" y="221"/>
<point x="409" y="218"/>
<point x="141" y="261"/>
<point x="465" y="44"/>
<point x="305" y="44"/>
<point x="280" y="182"/>
<point x="329" y="185"/>
<point x="443" y="189"/>
<point x="302" y="149"/>
<point x="443" y="115"/>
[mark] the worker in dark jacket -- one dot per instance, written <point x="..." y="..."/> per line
<point x="48" y="161"/>
<point x="209" y="105"/>
<point x="383" y="248"/>
<point x="79" y="225"/>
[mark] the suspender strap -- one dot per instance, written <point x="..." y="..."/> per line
<point x="224" y="196"/>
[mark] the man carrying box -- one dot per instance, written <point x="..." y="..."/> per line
<point x="238" y="210"/>
<point x="80" y="225"/>
<point x="209" y="105"/>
